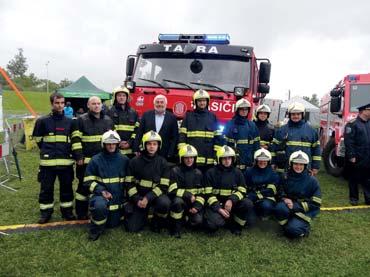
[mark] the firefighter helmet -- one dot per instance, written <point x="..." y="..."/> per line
<point x="262" y="155"/>
<point x="242" y="103"/>
<point x="121" y="89"/>
<point x="110" y="137"/>
<point x="299" y="157"/>
<point x="296" y="107"/>
<point x="263" y="109"/>
<point x="201" y="94"/>
<point x="151" y="136"/>
<point x="187" y="151"/>
<point x="223" y="152"/>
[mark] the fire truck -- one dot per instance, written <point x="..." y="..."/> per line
<point x="179" y="64"/>
<point x="337" y="108"/>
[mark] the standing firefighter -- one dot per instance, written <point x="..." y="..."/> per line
<point x="242" y="134"/>
<point x="200" y="129"/>
<point x="104" y="178"/>
<point x="265" y="129"/>
<point x="262" y="184"/>
<point x="52" y="134"/>
<point x="357" y="144"/>
<point x="125" y="119"/>
<point x="225" y="190"/>
<point x="147" y="184"/>
<point x="296" y="135"/>
<point x="186" y="191"/>
<point x="301" y="198"/>
<point x="86" y="136"/>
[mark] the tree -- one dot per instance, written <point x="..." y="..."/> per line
<point x="17" y="67"/>
<point x="65" y="83"/>
<point x="313" y="100"/>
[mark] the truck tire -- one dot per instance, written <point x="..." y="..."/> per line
<point x="332" y="163"/>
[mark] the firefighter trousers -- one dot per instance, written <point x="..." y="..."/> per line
<point x="47" y="176"/>
<point x="103" y="214"/>
<point x="82" y="193"/>
<point x="240" y="215"/>
<point x="359" y="176"/>
<point x="136" y="218"/>
<point x="179" y="211"/>
<point x="264" y="208"/>
<point x="293" y="226"/>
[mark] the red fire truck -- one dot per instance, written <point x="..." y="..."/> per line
<point x="179" y="64"/>
<point x="337" y="108"/>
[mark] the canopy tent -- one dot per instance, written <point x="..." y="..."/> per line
<point x="312" y="112"/>
<point x="83" y="88"/>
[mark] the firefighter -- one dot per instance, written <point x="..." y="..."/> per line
<point x="265" y="129"/>
<point x="262" y="184"/>
<point x="296" y="135"/>
<point x="186" y="191"/>
<point x="200" y="129"/>
<point x="300" y="198"/>
<point x="242" y="134"/>
<point x="125" y="119"/>
<point x="52" y="134"/>
<point x="104" y="178"/>
<point x="147" y="184"/>
<point x="86" y="136"/>
<point x="357" y="145"/>
<point x="225" y="191"/>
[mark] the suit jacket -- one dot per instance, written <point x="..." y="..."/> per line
<point x="169" y="133"/>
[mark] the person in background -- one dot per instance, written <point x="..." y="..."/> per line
<point x="68" y="110"/>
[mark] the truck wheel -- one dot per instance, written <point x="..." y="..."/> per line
<point x="332" y="163"/>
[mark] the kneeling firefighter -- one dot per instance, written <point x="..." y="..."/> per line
<point x="104" y="178"/>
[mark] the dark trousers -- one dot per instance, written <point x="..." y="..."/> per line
<point x="264" y="208"/>
<point x="82" y="193"/>
<point x="47" y="176"/>
<point x="240" y="215"/>
<point x="136" y="218"/>
<point x="179" y="211"/>
<point x="359" y="176"/>
<point x="103" y="214"/>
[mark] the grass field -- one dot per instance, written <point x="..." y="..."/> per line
<point x="338" y="245"/>
<point x="39" y="101"/>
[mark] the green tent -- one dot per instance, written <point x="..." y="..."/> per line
<point x="83" y="88"/>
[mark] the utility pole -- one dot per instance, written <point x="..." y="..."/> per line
<point x="289" y="94"/>
<point x="47" y="76"/>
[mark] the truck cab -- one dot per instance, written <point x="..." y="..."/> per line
<point x="179" y="64"/>
<point x="337" y="108"/>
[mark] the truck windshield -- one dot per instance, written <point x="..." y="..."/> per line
<point x="224" y="72"/>
<point x="360" y="95"/>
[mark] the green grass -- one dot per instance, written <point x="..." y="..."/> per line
<point x="39" y="101"/>
<point x="338" y="245"/>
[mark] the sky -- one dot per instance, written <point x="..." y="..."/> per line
<point x="311" y="44"/>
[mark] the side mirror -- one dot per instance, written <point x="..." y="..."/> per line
<point x="336" y="104"/>
<point x="130" y="65"/>
<point x="265" y="72"/>
<point x="263" y="88"/>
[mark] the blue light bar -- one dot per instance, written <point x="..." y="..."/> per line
<point x="195" y="38"/>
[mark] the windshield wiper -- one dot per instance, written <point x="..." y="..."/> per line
<point x="178" y="83"/>
<point x="210" y="86"/>
<point x="155" y="82"/>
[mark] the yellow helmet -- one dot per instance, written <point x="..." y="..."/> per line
<point x="262" y="155"/>
<point x="201" y="94"/>
<point x="223" y="152"/>
<point x="299" y="157"/>
<point x="242" y="103"/>
<point x="187" y="151"/>
<point x="110" y="137"/>
<point x="263" y="109"/>
<point x="296" y="107"/>
<point x="121" y="89"/>
<point x="151" y="136"/>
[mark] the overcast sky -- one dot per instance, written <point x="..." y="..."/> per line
<point x="311" y="44"/>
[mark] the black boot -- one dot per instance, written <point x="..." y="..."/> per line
<point x="94" y="232"/>
<point x="82" y="209"/>
<point x="235" y="229"/>
<point x="44" y="217"/>
<point x="67" y="214"/>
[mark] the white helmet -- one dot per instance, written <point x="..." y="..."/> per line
<point x="262" y="155"/>
<point x="110" y="137"/>
<point x="263" y="109"/>
<point x="299" y="157"/>
<point x="296" y="107"/>
<point x="242" y="103"/>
